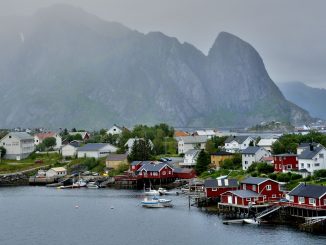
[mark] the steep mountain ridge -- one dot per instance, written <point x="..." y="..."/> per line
<point x="66" y="68"/>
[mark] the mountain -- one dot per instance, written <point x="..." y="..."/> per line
<point x="64" y="67"/>
<point x="311" y="99"/>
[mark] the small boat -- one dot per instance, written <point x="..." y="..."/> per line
<point x="80" y="183"/>
<point x="152" y="192"/>
<point x="92" y="185"/>
<point x="156" y="203"/>
<point x="251" y="221"/>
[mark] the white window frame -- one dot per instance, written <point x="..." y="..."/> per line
<point x="300" y="200"/>
<point x="268" y="187"/>
<point x="312" y="201"/>
<point x="291" y="199"/>
<point x="214" y="189"/>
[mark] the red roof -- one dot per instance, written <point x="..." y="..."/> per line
<point x="43" y="136"/>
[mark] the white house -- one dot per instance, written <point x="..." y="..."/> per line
<point x="191" y="143"/>
<point x="56" y="172"/>
<point x="237" y="143"/>
<point x="18" y="145"/>
<point x="130" y="143"/>
<point x="209" y="133"/>
<point x="115" y="129"/>
<point x="38" y="138"/>
<point x="253" y="154"/>
<point x="190" y="158"/>
<point x="96" y="150"/>
<point x="313" y="158"/>
<point x="305" y="146"/>
<point x="70" y="150"/>
<point x="267" y="143"/>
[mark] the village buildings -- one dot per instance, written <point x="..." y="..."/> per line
<point x="114" y="160"/>
<point x="266" y="143"/>
<point x="218" y="158"/>
<point x="191" y="143"/>
<point x="96" y="150"/>
<point x="38" y="138"/>
<point x="190" y="158"/>
<point x="285" y="162"/>
<point x="253" y="154"/>
<point x="312" y="158"/>
<point x="215" y="187"/>
<point x="237" y="143"/>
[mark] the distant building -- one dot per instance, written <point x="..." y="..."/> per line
<point x="153" y="170"/>
<point x="215" y="187"/>
<point x="38" y="138"/>
<point x="253" y="154"/>
<point x="190" y="158"/>
<point x="237" y="143"/>
<point x="115" y="129"/>
<point x="184" y="173"/>
<point x="70" y="150"/>
<point x="56" y="172"/>
<point x="209" y="133"/>
<point x="267" y="144"/>
<point x="218" y="158"/>
<point x="191" y="143"/>
<point x="113" y="160"/>
<point x="18" y="145"/>
<point x="96" y="150"/>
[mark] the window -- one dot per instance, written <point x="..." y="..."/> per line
<point x="268" y="187"/>
<point x="301" y="199"/>
<point x="324" y="202"/>
<point x="289" y="166"/>
<point x="312" y="201"/>
<point x="214" y="189"/>
<point x="316" y="164"/>
<point x="291" y="198"/>
<point x="163" y="173"/>
<point x="244" y="186"/>
<point x="248" y="199"/>
<point x="254" y="188"/>
<point x="321" y="155"/>
<point x="273" y="196"/>
<point x="308" y="165"/>
<point x="246" y="162"/>
<point x="302" y="165"/>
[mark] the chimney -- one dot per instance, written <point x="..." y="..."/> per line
<point x="311" y="147"/>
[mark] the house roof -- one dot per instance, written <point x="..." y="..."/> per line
<point x="303" y="190"/>
<point x="255" y="180"/>
<point x="239" y="139"/>
<point x="305" y="144"/>
<point x="21" y="135"/>
<point x="206" y="132"/>
<point x="266" y="142"/>
<point x="43" y="136"/>
<point x="251" y="150"/>
<point x="222" y="153"/>
<point x="194" y="139"/>
<point x="93" y="146"/>
<point x="180" y="134"/>
<point x="151" y="167"/>
<point x="135" y="163"/>
<point x="308" y="154"/>
<point x="245" y="193"/>
<point x="59" y="169"/>
<point x="116" y="157"/>
<point x="75" y="143"/>
<point x="213" y="183"/>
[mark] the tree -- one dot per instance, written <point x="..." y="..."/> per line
<point x="203" y="162"/>
<point x="49" y="142"/>
<point x="3" y="152"/>
<point x="140" y="151"/>
<point x="265" y="168"/>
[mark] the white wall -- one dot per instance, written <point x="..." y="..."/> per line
<point x="249" y="159"/>
<point x="317" y="163"/>
<point x="69" y="151"/>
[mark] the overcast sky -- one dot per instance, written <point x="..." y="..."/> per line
<point x="290" y="35"/>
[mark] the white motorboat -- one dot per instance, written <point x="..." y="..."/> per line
<point x="156" y="203"/>
<point x="251" y="221"/>
<point x="80" y="183"/>
<point x="92" y="185"/>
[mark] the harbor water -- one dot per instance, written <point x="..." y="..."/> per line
<point x="49" y="216"/>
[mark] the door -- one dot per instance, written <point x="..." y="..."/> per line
<point x="230" y="199"/>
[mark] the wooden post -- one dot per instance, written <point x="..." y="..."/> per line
<point x="189" y="201"/>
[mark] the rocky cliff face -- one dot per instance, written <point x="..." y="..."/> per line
<point x="65" y="68"/>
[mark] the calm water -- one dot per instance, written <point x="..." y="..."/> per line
<point x="40" y="215"/>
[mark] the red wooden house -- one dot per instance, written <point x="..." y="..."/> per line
<point x="308" y="196"/>
<point x="184" y="173"/>
<point x="215" y="187"/>
<point x="155" y="170"/>
<point x="135" y="165"/>
<point x="268" y="188"/>
<point x="286" y="162"/>
<point x="241" y="198"/>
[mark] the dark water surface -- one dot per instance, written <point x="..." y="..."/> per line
<point x="40" y="215"/>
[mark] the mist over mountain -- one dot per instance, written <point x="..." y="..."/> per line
<point x="311" y="99"/>
<point x="64" y="67"/>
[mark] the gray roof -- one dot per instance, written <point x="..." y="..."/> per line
<point x="150" y="167"/>
<point x="92" y="147"/>
<point x="21" y="135"/>
<point x="245" y="193"/>
<point x="192" y="152"/>
<point x="222" y="153"/>
<point x="116" y="157"/>
<point x="254" y="180"/>
<point x="213" y="183"/>
<point x="193" y="139"/>
<point x="314" y="191"/>
<point x="239" y="139"/>
<point x="251" y="150"/>
<point x="304" y="144"/>
<point x="308" y="154"/>
<point x="134" y="163"/>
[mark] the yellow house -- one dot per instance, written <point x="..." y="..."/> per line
<point x="114" y="160"/>
<point x="218" y="157"/>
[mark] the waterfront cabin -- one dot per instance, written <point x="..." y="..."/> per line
<point x="155" y="170"/>
<point x="243" y="198"/>
<point x="215" y="187"/>
<point x="285" y="163"/>
<point x="96" y="150"/>
<point x="268" y="188"/>
<point x="184" y="173"/>
<point x="135" y="165"/>
<point x="56" y="172"/>
<point x="308" y="196"/>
